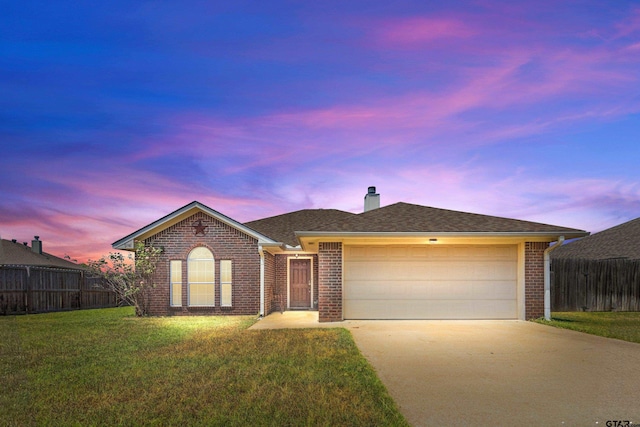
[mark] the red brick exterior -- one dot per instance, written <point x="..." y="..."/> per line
<point x="534" y="279"/>
<point x="226" y="243"/>
<point x="330" y="281"/>
<point x="279" y="301"/>
<point x="269" y="282"/>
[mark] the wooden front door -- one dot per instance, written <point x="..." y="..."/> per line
<point x="300" y="283"/>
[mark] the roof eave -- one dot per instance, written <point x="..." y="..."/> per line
<point x="128" y="242"/>
<point x="547" y="235"/>
<point x="309" y="240"/>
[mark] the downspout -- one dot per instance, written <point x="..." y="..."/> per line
<point x="547" y="277"/>
<point x="261" y="252"/>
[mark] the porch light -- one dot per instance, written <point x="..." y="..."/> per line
<point x="432" y="241"/>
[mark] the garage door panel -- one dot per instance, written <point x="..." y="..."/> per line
<point x="430" y="282"/>
<point x="431" y="309"/>
<point x="443" y="290"/>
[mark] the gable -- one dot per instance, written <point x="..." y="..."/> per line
<point x="128" y="242"/>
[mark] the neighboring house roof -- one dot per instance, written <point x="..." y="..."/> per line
<point x="13" y="253"/>
<point x="621" y="241"/>
<point x="409" y="218"/>
<point x="127" y="243"/>
<point x="283" y="227"/>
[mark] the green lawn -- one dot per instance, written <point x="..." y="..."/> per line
<point x="107" y="367"/>
<point x="620" y="325"/>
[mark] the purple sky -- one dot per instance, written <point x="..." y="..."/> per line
<point x="113" y="114"/>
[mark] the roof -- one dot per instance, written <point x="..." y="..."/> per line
<point x="621" y="241"/>
<point x="399" y="218"/>
<point x="127" y="242"/>
<point x="410" y="218"/>
<point x="19" y="254"/>
<point x="283" y="227"/>
<point x="396" y="219"/>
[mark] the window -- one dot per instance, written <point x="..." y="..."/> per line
<point x="225" y="283"/>
<point x="176" y="283"/>
<point x="201" y="278"/>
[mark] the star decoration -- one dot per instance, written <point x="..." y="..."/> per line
<point x="199" y="228"/>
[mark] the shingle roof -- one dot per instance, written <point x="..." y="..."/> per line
<point x="282" y="228"/>
<point x="18" y="254"/>
<point x="621" y="241"/>
<point x="406" y="217"/>
<point x="396" y="218"/>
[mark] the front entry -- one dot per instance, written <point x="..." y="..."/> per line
<point x="299" y="283"/>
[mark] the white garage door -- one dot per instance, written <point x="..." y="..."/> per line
<point x="430" y="282"/>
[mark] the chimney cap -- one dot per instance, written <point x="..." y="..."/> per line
<point x="371" y="190"/>
<point x="36" y="237"/>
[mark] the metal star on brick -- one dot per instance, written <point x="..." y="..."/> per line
<point x="199" y="228"/>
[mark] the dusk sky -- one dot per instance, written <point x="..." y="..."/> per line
<point x="116" y="113"/>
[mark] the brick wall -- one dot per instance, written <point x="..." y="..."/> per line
<point x="280" y="290"/>
<point x="269" y="282"/>
<point x="534" y="279"/>
<point x="226" y="243"/>
<point x="330" y="281"/>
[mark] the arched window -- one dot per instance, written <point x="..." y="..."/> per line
<point x="201" y="278"/>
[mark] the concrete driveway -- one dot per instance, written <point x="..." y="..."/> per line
<point x="499" y="372"/>
<point x="502" y="373"/>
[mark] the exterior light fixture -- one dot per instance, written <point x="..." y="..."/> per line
<point x="432" y="241"/>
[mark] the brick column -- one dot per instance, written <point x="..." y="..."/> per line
<point x="534" y="279"/>
<point x="330" y="281"/>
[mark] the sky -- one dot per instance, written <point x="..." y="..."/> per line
<point x="114" y="114"/>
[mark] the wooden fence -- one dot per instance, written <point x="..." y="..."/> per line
<point x="595" y="285"/>
<point x="38" y="290"/>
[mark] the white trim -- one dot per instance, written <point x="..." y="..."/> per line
<point x="189" y="282"/>
<point x="311" y="278"/>
<point x="172" y="283"/>
<point x="261" y="252"/>
<point x="521" y="292"/>
<point x="547" y="277"/>
<point x="127" y="243"/>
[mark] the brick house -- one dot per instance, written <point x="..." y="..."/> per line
<point x="401" y="261"/>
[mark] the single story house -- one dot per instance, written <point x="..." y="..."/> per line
<point x="14" y="253"/>
<point x="402" y="261"/>
<point x="600" y="272"/>
<point x="619" y="242"/>
<point x="34" y="281"/>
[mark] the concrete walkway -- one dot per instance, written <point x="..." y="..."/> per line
<point x="495" y="372"/>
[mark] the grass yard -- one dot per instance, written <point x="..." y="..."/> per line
<point x="621" y="325"/>
<point x="107" y="367"/>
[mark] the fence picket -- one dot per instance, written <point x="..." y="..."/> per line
<point x="595" y="285"/>
<point x="38" y="290"/>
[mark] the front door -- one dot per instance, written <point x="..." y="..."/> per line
<point x="300" y="283"/>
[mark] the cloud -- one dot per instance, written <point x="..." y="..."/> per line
<point x="419" y="31"/>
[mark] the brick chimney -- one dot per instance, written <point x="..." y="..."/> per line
<point x="36" y="245"/>
<point x="371" y="200"/>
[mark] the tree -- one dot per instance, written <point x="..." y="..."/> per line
<point x="131" y="278"/>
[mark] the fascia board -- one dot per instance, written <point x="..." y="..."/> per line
<point x="126" y="243"/>
<point x="568" y="234"/>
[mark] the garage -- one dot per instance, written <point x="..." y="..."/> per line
<point x="430" y="282"/>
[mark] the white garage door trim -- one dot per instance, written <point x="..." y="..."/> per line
<point x="431" y="282"/>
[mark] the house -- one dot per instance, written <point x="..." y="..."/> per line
<point x="619" y="242"/>
<point x="600" y="272"/>
<point x="14" y="253"/>
<point x="33" y="281"/>
<point x="401" y="261"/>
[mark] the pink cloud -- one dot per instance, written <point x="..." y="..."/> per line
<point x="630" y="25"/>
<point x="415" y="31"/>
